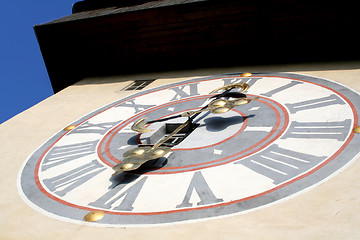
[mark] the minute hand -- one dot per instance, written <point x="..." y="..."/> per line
<point x="216" y="106"/>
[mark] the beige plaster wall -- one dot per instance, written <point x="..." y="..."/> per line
<point x="329" y="211"/>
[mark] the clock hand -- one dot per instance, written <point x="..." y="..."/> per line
<point x="217" y="106"/>
<point x="134" y="158"/>
<point x="141" y="122"/>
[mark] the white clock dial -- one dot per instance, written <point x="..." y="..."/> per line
<point x="295" y="135"/>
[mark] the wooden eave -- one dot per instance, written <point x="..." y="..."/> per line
<point x="163" y="35"/>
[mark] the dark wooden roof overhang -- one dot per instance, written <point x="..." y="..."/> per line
<point x="118" y="37"/>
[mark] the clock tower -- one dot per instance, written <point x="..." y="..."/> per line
<point x="195" y="119"/>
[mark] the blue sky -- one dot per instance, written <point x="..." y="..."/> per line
<point x="23" y="76"/>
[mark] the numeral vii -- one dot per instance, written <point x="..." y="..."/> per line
<point x="63" y="154"/>
<point x="70" y="180"/>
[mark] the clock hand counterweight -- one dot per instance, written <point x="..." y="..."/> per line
<point x="134" y="158"/>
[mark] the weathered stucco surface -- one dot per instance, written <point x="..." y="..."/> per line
<point x="328" y="211"/>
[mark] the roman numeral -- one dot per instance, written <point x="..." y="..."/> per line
<point x="191" y="90"/>
<point x="137" y="107"/>
<point x="320" y="130"/>
<point x="199" y="184"/>
<point x="248" y="80"/>
<point x="282" y="88"/>
<point x="62" y="154"/>
<point x="87" y="127"/>
<point x="281" y="164"/>
<point x="110" y="200"/>
<point x="315" y="103"/>
<point x="70" y="180"/>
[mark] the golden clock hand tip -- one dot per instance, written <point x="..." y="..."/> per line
<point x="139" y="126"/>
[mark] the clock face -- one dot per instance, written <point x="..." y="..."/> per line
<point x="297" y="134"/>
